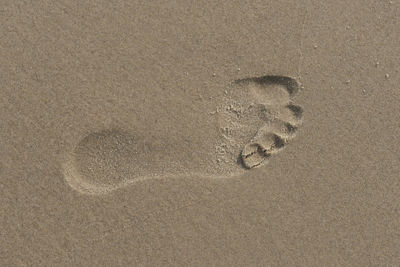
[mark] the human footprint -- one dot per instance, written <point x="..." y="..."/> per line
<point x="253" y="119"/>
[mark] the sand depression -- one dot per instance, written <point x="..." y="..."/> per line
<point x="253" y="119"/>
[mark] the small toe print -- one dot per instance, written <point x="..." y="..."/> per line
<point x="296" y="110"/>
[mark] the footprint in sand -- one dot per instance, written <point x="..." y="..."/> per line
<point x="252" y="119"/>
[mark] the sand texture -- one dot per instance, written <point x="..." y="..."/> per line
<point x="199" y="133"/>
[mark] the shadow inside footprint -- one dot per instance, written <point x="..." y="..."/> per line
<point x="290" y="84"/>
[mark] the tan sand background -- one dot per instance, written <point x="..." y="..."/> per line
<point x="331" y="198"/>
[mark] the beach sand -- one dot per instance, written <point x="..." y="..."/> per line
<point x="179" y="133"/>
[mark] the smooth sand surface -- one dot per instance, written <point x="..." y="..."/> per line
<point x="181" y="133"/>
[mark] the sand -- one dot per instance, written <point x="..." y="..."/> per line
<point x="177" y="133"/>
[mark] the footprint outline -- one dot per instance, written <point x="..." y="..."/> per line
<point x="268" y="140"/>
